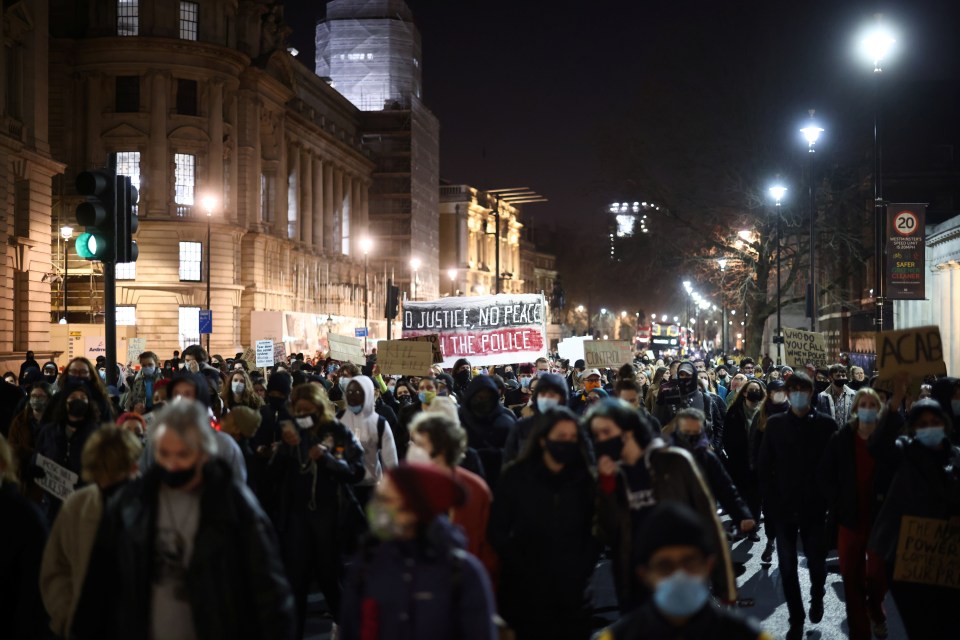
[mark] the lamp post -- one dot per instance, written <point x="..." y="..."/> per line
<point x="876" y="45"/>
<point x="722" y="262"/>
<point x="414" y="266"/>
<point x="812" y="133"/>
<point x="208" y="203"/>
<point x="66" y="232"/>
<point x="365" y="245"/>
<point x="778" y="191"/>
<point x="452" y="274"/>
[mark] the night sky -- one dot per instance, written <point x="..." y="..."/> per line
<point x="540" y="94"/>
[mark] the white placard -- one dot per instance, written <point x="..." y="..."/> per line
<point x="58" y="481"/>
<point x="265" y="353"/>
<point x="346" y="349"/>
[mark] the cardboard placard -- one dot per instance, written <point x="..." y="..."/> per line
<point x="135" y="346"/>
<point x="801" y="347"/>
<point x="265" y="353"/>
<point x="928" y="552"/>
<point x="431" y="338"/>
<point x="346" y="349"/>
<point x="404" y="357"/>
<point x="250" y="357"/>
<point x="487" y="330"/>
<point x="279" y="352"/>
<point x="601" y="354"/>
<point x="58" y="481"/>
<point x="917" y="352"/>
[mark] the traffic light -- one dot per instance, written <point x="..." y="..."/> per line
<point x="127" y="221"/>
<point x="393" y="302"/>
<point x="97" y="215"/>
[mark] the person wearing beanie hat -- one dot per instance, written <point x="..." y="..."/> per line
<point x="416" y="556"/>
<point x="551" y="391"/>
<point x="134" y="423"/>
<point x="924" y="492"/>
<point x="674" y="557"/>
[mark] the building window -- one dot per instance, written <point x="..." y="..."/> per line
<point x="128" y="164"/>
<point x="126" y="271"/>
<point x="189" y="326"/>
<point x="128" y="17"/>
<point x="186" y="97"/>
<point x="268" y="196"/>
<point x="127" y="99"/>
<point x="185" y="182"/>
<point x="191" y="260"/>
<point x="189" y="14"/>
<point x="126" y="315"/>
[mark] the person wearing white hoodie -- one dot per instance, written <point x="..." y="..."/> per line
<point x="373" y="432"/>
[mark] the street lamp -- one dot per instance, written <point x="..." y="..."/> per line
<point x="365" y="245"/>
<point x="875" y="45"/>
<point x="778" y="191"/>
<point x="812" y="133"/>
<point x="452" y="274"/>
<point x="414" y="266"/>
<point x="579" y="308"/>
<point x="722" y="263"/>
<point x="66" y="232"/>
<point x="208" y="203"/>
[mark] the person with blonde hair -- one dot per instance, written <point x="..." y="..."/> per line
<point x="109" y="460"/>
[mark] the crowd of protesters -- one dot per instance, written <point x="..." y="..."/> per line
<point x="200" y="497"/>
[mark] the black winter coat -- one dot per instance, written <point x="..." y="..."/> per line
<point x="236" y="583"/>
<point x="790" y="458"/>
<point x="22" y="537"/>
<point x="487" y="434"/>
<point x="722" y="487"/>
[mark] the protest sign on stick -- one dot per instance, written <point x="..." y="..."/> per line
<point x="346" y="349"/>
<point x="917" y="352"/>
<point x="265" y="353"/>
<point x="607" y="353"/>
<point x="404" y="357"/>
<point x="801" y="347"/>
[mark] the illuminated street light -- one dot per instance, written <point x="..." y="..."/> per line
<point x="876" y="43"/>
<point x="778" y="191"/>
<point x="812" y="133"/>
<point x="579" y="308"/>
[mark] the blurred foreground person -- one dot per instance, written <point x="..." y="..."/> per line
<point x="416" y="582"/>
<point x="674" y="557"/>
<point x="185" y="552"/>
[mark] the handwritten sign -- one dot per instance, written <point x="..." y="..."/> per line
<point x="917" y="352"/>
<point x="58" y="481"/>
<point x="135" y="346"/>
<point x="346" y="349"/>
<point x="607" y="353"/>
<point x="279" y="352"/>
<point x="250" y="357"/>
<point x="265" y="353"/>
<point x="404" y="357"/>
<point x="801" y="347"/>
<point x="928" y="552"/>
<point x="488" y="330"/>
<point x="432" y="339"/>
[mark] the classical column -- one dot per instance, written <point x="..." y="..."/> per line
<point x="292" y="230"/>
<point x="463" y="235"/>
<point x="318" y="208"/>
<point x="157" y="176"/>
<point x="306" y="197"/>
<point x="337" y="239"/>
<point x="329" y="210"/>
<point x="215" y="153"/>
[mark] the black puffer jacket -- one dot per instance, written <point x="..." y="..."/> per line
<point x="236" y="584"/>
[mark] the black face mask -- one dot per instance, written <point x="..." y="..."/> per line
<point x="821" y="386"/>
<point x="612" y="448"/>
<point x="687" y="385"/>
<point x="838" y="383"/>
<point x="688" y="441"/>
<point x="405" y="399"/>
<point x="462" y="378"/>
<point x="754" y="396"/>
<point x="563" y="452"/>
<point x="276" y="403"/>
<point x="77" y="408"/>
<point x="482" y="405"/>
<point x="50" y="377"/>
<point x="176" y="479"/>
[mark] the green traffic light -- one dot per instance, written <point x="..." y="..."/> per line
<point x="91" y="246"/>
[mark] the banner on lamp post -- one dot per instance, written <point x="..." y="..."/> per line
<point x="905" y="252"/>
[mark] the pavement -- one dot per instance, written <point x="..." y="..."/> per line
<point x="757" y="581"/>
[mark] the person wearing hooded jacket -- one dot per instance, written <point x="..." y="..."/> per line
<point x="946" y="391"/>
<point x="362" y="420"/>
<point x="488" y="424"/>
<point x="550" y="391"/>
<point x="685" y="393"/>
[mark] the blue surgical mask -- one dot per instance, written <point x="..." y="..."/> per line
<point x="343" y="382"/>
<point x="525" y="382"/>
<point x="103" y="374"/>
<point x="149" y="371"/>
<point x="931" y="436"/>
<point x="681" y="595"/>
<point x="355" y="409"/>
<point x="867" y="415"/>
<point x="545" y="404"/>
<point x="800" y="400"/>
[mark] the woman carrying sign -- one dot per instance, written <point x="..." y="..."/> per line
<point x="916" y="530"/>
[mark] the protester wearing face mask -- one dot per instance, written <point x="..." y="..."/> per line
<point x="590" y="381"/>
<point x="81" y="371"/>
<point x="185" y="552"/>
<point x="946" y="391"/>
<point x="924" y="485"/>
<point x="438" y="439"/>
<point x="736" y="443"/>
<point x="690" y="435"/>
<point x="674" y="557"/>
<point x="413" y="569"/>
<point x="487" y="422"/>
<point x="139" y="399"/>
<point x="684" y="392"/>
<point x="790" y="455"/>
<point x="637" y="472"/>
<point x="855" y="487"/>
<point x="316" y="466"/>
<point x="541" y="527"/>
<point x="551" y="391"/>
<point x="50" y="372"/>
<point x="776" y="402"/>
<point x="462" y="375"/>
<point x="238" y="391"/>
<point x="373" y="432"/>
<point x="25" y="433"/>
<point x="837" y="400"/>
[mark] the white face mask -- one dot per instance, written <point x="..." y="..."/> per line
<point x="417" y="454"/>
<point x="238" y="387"/>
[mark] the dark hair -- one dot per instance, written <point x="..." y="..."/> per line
<point x="149" y="354"/>
<point x="196" y="352"/>
<point x="58" y="412"/>
<point x="627" y="384"/>
<point x="544" y="424"/>
<point x="692" y="414"/>
<point x="745" y="361"/>
<point x="349" y="367"/>
<point x="799" y="381"/>
<point x="626" y="372"/>
<point x="446" y="435"/>
<point x="837" y="368"/>
<point x="625" y="417"/>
